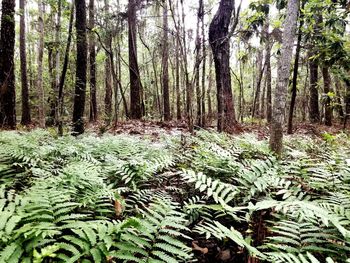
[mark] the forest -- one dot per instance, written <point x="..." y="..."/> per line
<point x="175" y="131"/>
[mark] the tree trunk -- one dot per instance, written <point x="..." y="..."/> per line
<point x="165" y="68"/>
<point x="197" y="66"/>
<point x="327" y="102"/>
<point x="177" y="80"/>
<point x="64" y="71"/>
<point x="92" y="58"/>
<point x="259" y="74"/>
<point x="283" y="70"/>
<point x="219" y="41"/>
<point x="108" y="70"/>
<point x="26" y="118"/>
<point x="135" y="81"/>
<point x="347" y="102"/>
<point x="314" y="113"/>
<point x="203" y="120"/>
<point x="268" y="79"/>
<point x="39" y="78"/>
<point x="295" y="74"/>
<point x="81" y="66"/>
<point x="7" y="75"/>
<point x="210" y="83"/>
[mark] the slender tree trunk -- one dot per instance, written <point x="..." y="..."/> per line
<point x="81" y="66"/>
<point x="314" y="113"/>
<point x="347" y="102"/>
<point x="165" y="68"/>
<point x="39" y="78"/>
<point x="92" y="58"/>
<point x="177" y="80"/>
<point x="135" y="81"/>
<point x="50" y="121"/>
<point x="64" y="71"/>
<point x="328" y="111"/>
<point x="54" y="66"/>
<point x="268" y="80"/>
<point x="283" y="71"/>
<point x="7" y="75"/>
<point x="108" y="71"/>
<point x="210" y="84"/>
<point x="219" y="41"/>
<point x="197" y="65"/>
<point x="203" y="119"/>
<point x="26" y="118"/>
<point x="294" y="82"/>
<point x="259" y="74"/>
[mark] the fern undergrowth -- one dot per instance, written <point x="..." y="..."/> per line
<point x="177" y="199"/>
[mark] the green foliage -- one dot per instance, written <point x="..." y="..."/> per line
<point x="126" y="199"/>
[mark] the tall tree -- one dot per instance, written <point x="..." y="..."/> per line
<point x="39" y="77"/>
<point x="7" y="76"/>
<point x="295" y="73"/>
<point x="64" y="71"/>
<point x="219" y="41"/>
<point x="165" y="67"/>
<point x="108" y="69"/>
<point x="314" y="113"/>
<point x="283" y="71"/>
<point x="135" y="81"/>
<point x="327" y="101"/>
<point x="81" y="66"/>
<point x="92" y="60"/>
<point x="26" y="118"/>
<point x="268" y="46"/>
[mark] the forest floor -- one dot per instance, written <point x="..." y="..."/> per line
<point x="152" y="192"/>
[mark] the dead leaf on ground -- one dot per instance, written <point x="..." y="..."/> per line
<point x="198" y="248"/>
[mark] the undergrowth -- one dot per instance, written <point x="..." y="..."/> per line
<point x="208" y="198"/>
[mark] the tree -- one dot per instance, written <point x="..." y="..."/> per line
<point x="283" y="71"/>
<point x="295" y="73"/>
<point x="81" y="66"/>
<point x="108" y="70"/>
<point x="39" y="77"/>
<point x="134" y="72"/>
<point x="165" y="67"/>
<point x="25" y="118"/>
<point x="219" y="42"/>
<point x="92" y="60"/>
<point x="7" y="75"/>
<point x="314" y="113"/>
<point x="64" y="70"/>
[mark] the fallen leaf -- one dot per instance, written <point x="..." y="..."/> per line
<point x="198" y="248"/>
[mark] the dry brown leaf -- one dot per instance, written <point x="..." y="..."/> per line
<point x="198" y="248"/>
<point x="118" y="207"/>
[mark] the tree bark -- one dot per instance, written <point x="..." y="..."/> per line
<point x="39" y="78"/>
<point x="108" y="70"/>
<point x="92" y="59"/>
<point x="197" y="66"/>
<point x="268" y="79"/>
<point x="7" y="76"/>
<point x="165" y="67"/>
<point x="203" y="119"/>
<point x="314" y="113"/>
<point x="283" y="70"/>
<point x="25" y="118"/>
<point x="177" y="80"/>
<point x="328" y="111"/>
<point x="134" y="72"/>
<point x="259" y="74"/>
<point x="295" y="74"/>
<point x="81" y="66"/>
<point x="64" y="71"/>
<point x="219" y="41"/>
